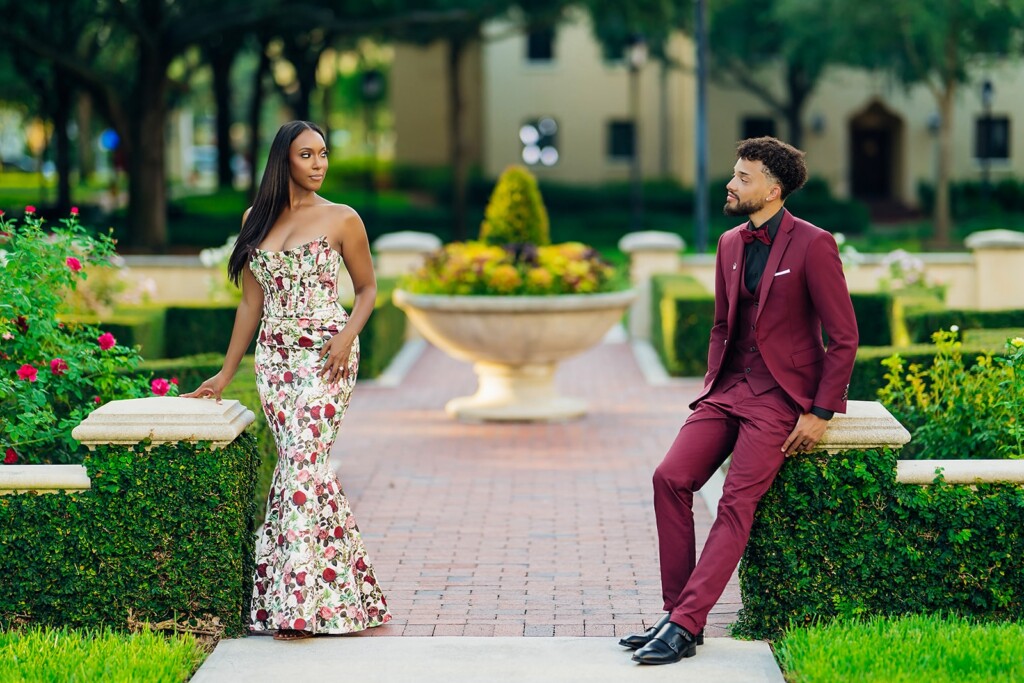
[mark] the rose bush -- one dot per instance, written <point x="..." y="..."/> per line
<point x="53" y="375"/>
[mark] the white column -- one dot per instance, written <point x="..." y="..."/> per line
<point x="650" y="252"/>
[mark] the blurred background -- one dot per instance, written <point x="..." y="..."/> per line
<point x="153" y="116"/>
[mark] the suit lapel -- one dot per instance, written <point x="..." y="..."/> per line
<point x="734" y="261"/>
<point x="782" y="239"/>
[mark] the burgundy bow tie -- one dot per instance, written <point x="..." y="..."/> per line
<point x="761" y="233"/>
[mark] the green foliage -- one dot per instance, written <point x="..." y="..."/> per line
<point x="384" y="333"/>
<point x="198" y="328"/>
<point x="837" y="536"/>
<point x="682" y="315"/>
<point x="937" y="649"/>
<point x="921" y="325"/>
<point x="958" y="410"/>
<point x="63" y="654"/>
<point x="141" y="328"/>
<point x="968" y="197"/>
<point x="874" y="313"/>
<point x="162" y="534"/>
<point x="869" y="373"/>
<point x="515" y="213"/>
<point x="52" y="375"/>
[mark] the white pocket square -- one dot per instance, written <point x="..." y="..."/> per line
<point x="782" y="272"/>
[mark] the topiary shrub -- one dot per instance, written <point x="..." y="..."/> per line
<point x="682" y="315"/>
<point x="515" y="213"/>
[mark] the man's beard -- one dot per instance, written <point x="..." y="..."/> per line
<point x="746" y="208"/>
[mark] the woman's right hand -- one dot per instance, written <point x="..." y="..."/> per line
<point x="211" y="388"/>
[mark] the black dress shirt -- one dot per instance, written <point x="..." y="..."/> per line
<point x="755" y="258"/>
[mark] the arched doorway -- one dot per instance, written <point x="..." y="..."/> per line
<point x="876" y="137"/>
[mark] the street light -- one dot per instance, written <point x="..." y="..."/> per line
<point x="636" y="58"/>
<point x="985" y="140"/>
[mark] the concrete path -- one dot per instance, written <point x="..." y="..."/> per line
<point x="509" y="530"/>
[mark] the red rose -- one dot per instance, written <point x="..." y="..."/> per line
<point x="361" y="564"/>
<point x="28" y="373"/>
<point x="329" y="575"/>
<point x="10" y="456"/>
<point x="299" y="498"/>
<point x="280" y="416"/>
<point x="106" y="341"/>
<point x="174" y="381"/>
<point x="261" y="615"/>
<point x="339" y="532"/>
<point x="97" y="400"/>
<point x="305" y="342"/>
<point x="58" y="366"/>
<point x="160" y="386"/>
<point x="312" y="459"/>
<point x="329" y="411"/>
<point x="300" y="578"/>
<point x="288" y="377"/>
<point x="74" y="210"/>
<point x="370" y="580"/>
<point x="73" y="263"/>
<point x="280" y="539"/>
<point x="334" y="506"/>
<point x="21" y="323"/>
<point x="314" y="412"/>
<point x="30" y="209"/>
<point x="262" y="569"/>
<point x="372" y="612"/>
<point x="299" y="625"/>
<point x="316" y="432"/>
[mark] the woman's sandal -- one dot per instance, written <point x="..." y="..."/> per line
<point x="292" y="634"/>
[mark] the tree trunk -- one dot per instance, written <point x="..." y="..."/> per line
<point x="943" y="236"/>
<point x="221" y="59"/>
<point x="255" y="107"/>
<point x="664" y="161"/>
<point x="64" y="99"/>
<point x="147" y="193"/>
<point x="86" y="153"/>
<point x="456" y="142"/>
<point x="798" y="87"/>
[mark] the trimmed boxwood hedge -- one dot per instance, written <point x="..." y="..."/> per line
<point x="869" y="373"/>
<point x="874" y="311"/>
<point x="682" y="315"/>
<point x="922" y="325"/>
<point x="836" y="535"/>
<point x="162" y="534"/>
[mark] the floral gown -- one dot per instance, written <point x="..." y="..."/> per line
<point x="312" y="572"/>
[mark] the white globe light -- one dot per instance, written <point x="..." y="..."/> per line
<point x="549" y="156"/>
<point x="547" y="126"/>
<point x="529" y="135"/>
<point x="531" y="154"/>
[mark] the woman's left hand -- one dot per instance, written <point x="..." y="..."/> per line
<point x="336" y="352"/>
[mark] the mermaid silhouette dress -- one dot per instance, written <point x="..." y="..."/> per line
<point x="312" y="571"/>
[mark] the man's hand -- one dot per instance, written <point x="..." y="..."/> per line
<point x="806" y="435"/>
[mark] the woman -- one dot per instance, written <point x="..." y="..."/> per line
<point x="312" y="573"/>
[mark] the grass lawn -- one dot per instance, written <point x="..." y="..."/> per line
<point x="80" y="655"/>
<point x="909" y="649"/>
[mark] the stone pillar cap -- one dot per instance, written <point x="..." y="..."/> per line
<point x="651" y="240"/>
<point x="407" y="240"/>
<point x="995" y="239"/>
<point x="864" y="425"/>
<point x="164" y="419"/>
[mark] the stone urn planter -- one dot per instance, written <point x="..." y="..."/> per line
<point x="514" y="343"/>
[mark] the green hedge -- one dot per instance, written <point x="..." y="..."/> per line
<point x="921" y="325"/>
<point x="836" y="535"/>
<point x="162" y="534"/>
<point x="682" y="314"/>
<point x="138" y="327"/>
<point x="869" y="373"/>
<point x="874" y="313"/>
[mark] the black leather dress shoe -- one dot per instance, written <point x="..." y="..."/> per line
<point x="672" y="643"/>
<point x="635" y="641"/>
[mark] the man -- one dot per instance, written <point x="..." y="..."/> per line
<point x="770" y="389"/>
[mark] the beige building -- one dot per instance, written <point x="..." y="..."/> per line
<point x="870" y="137"/>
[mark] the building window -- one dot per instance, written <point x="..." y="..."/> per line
<point x="621" y="140"/>
<point x="757" y="126"/>
<point x="540" y="141"/>
<point x="540" y="45"/>
<point x="992" y="137"/>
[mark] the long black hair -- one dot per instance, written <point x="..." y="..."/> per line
<point x="271" y="198"/>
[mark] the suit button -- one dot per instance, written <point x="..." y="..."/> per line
<point x="747" y="370"/>
<point x="753" y="348"/>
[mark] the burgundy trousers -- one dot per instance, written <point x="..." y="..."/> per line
<point x="752" y="428"/>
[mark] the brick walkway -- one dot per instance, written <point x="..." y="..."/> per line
<point x="516" y="529"/>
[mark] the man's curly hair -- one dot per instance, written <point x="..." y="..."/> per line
<point x="784" y="163"/>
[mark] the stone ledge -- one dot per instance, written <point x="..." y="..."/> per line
<point x="961" y="471"/>
<point x="864" y="425"/>
<point x="651" y="240"/>
<point x="164" y="420"/>
<point x="43" y="478"/>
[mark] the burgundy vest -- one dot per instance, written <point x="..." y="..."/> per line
<point x="744" y="359"/>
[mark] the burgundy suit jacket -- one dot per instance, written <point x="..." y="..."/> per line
<point x="803" y="289"/>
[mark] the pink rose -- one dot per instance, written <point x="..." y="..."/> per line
<point x="160" y="386"/>
<point x="27" y="373"/>
<point x="300" y="578"/>
<point x="326" y="612"/>
<point x="330" y="552"/>
<point x="73" y="263"/>
<point x="58" y="366"/>
<point x="106" y="341"/>
<point x="303" y="476"/>
<point x="97" y="400"/>
<point x="30" y="209"/>
<point x="174" y="381"/>
<point x="10" y="456"/>
<point x="74" y="210"/>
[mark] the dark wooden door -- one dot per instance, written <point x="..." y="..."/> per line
<point x="872" y="163"/>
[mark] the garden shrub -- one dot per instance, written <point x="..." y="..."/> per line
<point x="200" y="328"/>
<point x="957" y="407"/>
<point x="837" y="536"/>
<point x="164" y="533"/>
<point x="515" y="213"/>
<point x="142" y="329"/>
<point x="874" y="312"/>
<point x="682" y="315"/>
<point x="52" y="375"/>
<point x="921" y="325"/>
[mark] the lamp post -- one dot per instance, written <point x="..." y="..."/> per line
<point x="636" y="57"/>
<point x="987" y="93"/>
<point x="371" y="88"/>
<point x="701" y="208"/>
